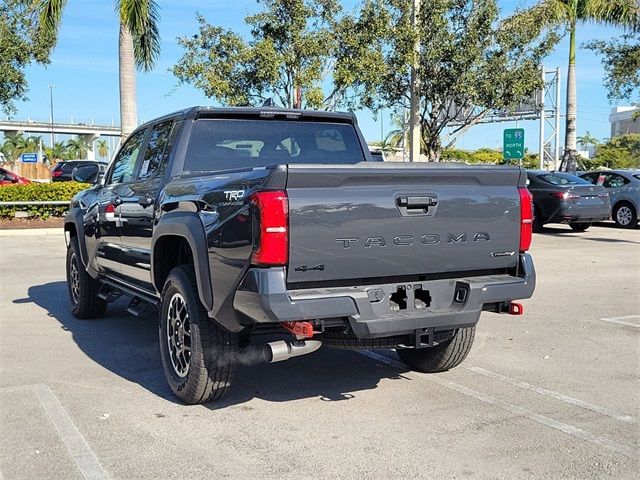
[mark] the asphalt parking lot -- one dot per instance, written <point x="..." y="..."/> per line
<point x="553" y="394"/>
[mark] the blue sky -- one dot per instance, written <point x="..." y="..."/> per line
<point x="84" y="70"/>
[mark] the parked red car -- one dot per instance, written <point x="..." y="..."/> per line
<point x="9" y="178"/>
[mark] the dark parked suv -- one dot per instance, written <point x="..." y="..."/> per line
<point x="565" y="198"/>
<point x="63" y="170"/>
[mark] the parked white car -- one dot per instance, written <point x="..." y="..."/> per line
<point x="624" y="189"/>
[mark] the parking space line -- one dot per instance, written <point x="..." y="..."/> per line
<point x="552" y="394"/>
<point x="515" y="409"/>
<point x="621" y="320"/>
<point x="77" y="446"/>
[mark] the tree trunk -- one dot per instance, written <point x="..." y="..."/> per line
<point x="128" y="108"/>
<point x="570" y="132"/>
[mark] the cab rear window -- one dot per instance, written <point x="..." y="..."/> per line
<point x="227" y="144"/>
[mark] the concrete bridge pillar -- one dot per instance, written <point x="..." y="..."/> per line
<point x="12" y="133"/>
<point x="90" y="138"/>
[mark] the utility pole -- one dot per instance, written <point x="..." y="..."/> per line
<point x="542" y="121"/>
<point x="556" y="154"/>
<point x="414" y="109"/>
<point x="53" y="138"/>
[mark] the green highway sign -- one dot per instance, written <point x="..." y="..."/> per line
<point x="513" y="144"/>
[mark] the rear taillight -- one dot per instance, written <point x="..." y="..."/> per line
<point x="526" y="219"/>
<point x="273" y="241"/>
<point x="56" y="173"/>
<point x="564" y="195"/>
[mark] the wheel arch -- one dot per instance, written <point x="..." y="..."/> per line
<point x="73" y="227"/>
<point x="624" y="200"/>
<point x="175" y="232"/>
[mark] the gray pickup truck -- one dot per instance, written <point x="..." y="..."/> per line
<point x="238" y="222"/>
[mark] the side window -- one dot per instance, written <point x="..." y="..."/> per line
<point x="125" y="162"/>
<point x="157" y="153"/>
<point x="591" y="177"/>
<point x="614" y="180"/>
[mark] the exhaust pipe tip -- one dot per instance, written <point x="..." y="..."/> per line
<point x="284" y="349"/>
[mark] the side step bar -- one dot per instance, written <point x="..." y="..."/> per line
<point x="132" y="292"/>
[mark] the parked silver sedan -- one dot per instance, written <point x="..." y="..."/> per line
<point x="624" y="189"/>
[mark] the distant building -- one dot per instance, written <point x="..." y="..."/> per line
<point x="622" y="120"/>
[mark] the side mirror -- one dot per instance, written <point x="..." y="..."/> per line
<point x="86" y="173"/>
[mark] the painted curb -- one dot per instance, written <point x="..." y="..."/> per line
<point x="31" y="232"/>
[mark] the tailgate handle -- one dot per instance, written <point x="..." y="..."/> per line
<point x="416" y="203"/>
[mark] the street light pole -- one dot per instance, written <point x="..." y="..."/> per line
<point x="53" y="138"/>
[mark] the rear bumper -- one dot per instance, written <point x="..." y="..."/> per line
<point x="262" y="297"/>
<point x="571" y="214"/>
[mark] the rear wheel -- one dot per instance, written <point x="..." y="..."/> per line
<point x="83" y="290"/>
<point x="198" y="356"/>
<point x="579" y="227"/>
<point x="625" y="215"/>
<point x="442" y="357"/>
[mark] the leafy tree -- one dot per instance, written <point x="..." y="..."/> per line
<point x="456" y="155"/>
<point x="486" y="155"/>
<point x="21" y="44"/>
<point x="77" y="148"/>
<point x="531" y="161"/>
<point x="290" y="50"/>
<point x="621" y="61"/>
<point x="138" y="45"/>
<point x="570" y="13"/>
<point x="622" y="151"/>
<point x="103" y="148"/>
<point x="469" y="61"/>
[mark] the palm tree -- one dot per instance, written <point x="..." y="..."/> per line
<point x="622" y="13"/>
<point x="32" y="144"/>
<point x="103" y="148"/>
<point x="395" y="137"/>
<point x="588" y="139"/>
<point x="14" y="146"/>
<point x="138" y="46"/>
<point x="78" y="148"/>
<point x="57" y="152"/>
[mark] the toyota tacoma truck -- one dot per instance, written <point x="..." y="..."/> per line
<point x="234" y="223"/>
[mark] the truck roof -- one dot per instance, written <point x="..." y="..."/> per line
<point x="265" y="112"/>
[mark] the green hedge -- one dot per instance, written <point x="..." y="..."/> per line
<point x="60" y="191"/>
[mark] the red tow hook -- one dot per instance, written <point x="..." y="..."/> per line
<point x="299" y="329"/>
<point x="516" y="308"/>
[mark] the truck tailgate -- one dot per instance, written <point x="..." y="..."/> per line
<point x="368" y="221"/>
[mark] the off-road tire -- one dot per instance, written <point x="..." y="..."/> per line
<point x="442" y="357"/>
<point x="633" y="220"/>
<point x="83" y="290"/>
<point x="579" y="227"/>
<point x="212" y="359"/>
